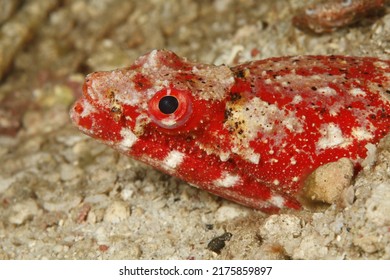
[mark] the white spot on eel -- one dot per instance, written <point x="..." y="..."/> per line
<point x="331" y="136"/>
<point x="327" y="91"/>
<point x="128" y="140"/>
<point x="277" y="200"/>
<point x="254" y="158"/>
<point x="227" y="180"/>
<point x="87" y="109"/>
<point x="357" y="91"/>
<point x="173" y="159"/>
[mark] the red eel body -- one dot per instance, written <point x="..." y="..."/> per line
<point x="250" y="133"/>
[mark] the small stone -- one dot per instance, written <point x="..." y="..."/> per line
<point x="230" y="211"/>
<point x="328" y="181"/>
<point x="7" y="143"/>
<point x="57" y="94"/>
<point x="5" y="183"/>
<point x="91" y="218"/>
<point x="69" y="172"/>
<point x="281" y="226"/>
<point x="126" y="194"/>
<point x="100" y="199"/>
<point x="135" y="251"/>
<point x="101" y="182"/>
<point x="58" y="248"/>
<point x="103" y="248"/>
<point x="116" y="212"/>
<point x="64" y="204"/>
<point x="101" y="235"/>
<point x="309" y="248"/>
<point x="218" y="243"/>
<point x="378" y="205"/>
<point x="369" y="242"/>
<point x="70" y="140"/>
<point x="347" y="197"/>
<point x="23" y="211"/>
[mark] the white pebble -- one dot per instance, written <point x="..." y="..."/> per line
<point x="116" y="212"/>
<point x="23" y="211"/>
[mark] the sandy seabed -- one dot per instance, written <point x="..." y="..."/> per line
<point x="65" y="196"/>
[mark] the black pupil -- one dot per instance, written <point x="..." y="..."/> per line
<point x="168" y="104"/>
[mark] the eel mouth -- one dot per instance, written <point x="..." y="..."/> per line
<point x="92" y="113"/>
<point x="84" y="110"/>
<point x="80" y="115"/>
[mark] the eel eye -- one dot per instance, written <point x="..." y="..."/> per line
<point x="168" y="104"/>
<point x="170" y="108"/>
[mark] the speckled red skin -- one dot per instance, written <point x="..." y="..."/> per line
<point x="253" y="132"/>
<point x="327" y="16"/>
